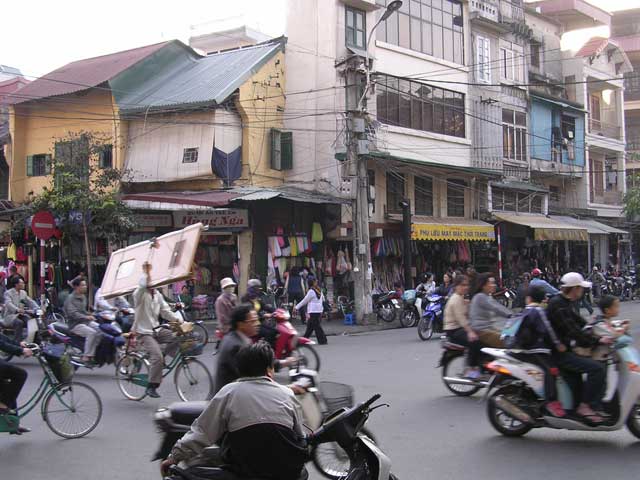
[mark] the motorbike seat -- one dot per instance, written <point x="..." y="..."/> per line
<point x="184" y="413"/>
<point x="453" y="346"/>
<point x="62" y="329"/>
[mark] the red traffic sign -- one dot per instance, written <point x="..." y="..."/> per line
<point x="43" y="225"/>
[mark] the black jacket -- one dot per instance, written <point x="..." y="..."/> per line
<point x="568" y="324"/>
<point x="533" y="333"/>
<point x="227" y="370"/>
<point x="9" y="346"/>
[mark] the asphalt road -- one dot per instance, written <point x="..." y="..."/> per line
<point x="426" y="432"/>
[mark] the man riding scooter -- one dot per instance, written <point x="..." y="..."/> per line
<point x="255" y="420"/>
<point x="569" y="325"/>
<point x="80" y="321"/>
<point x="16" y="316"/>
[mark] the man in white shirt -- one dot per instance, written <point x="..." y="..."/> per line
<point x="149" y="305"/>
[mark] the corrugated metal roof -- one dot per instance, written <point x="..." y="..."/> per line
<point x="211" y="198"/>
<point x="252" y="194"/>
<point x="592" y="226"/>
<point x="84" y="74"/>
<point x="200" y="80"/>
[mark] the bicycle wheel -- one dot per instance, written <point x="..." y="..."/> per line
<point x="193" y="380"/>
<point x="72" y="409"/>
<point x="307" y="357"/>
<point x="200" y="334"/>
<point x="132" y="375"/>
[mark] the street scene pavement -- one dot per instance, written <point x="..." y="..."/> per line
<point x="426" y="432"/>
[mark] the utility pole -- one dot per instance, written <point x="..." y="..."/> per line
<point x="356" y="151"/>
<point x="406" y="243"/>
<point x="357" y="148"/>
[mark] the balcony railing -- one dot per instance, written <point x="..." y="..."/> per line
<point x="511" y="12"/>
<point x="632" y="84"/>
<point x="488" y="9"/>
<point x="613" y="197"/>
<point x="633" y="144"/>
<point x="498" y="10"/>
<point x="598" y="127"/>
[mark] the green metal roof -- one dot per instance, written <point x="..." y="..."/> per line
<point x="424" y="163"/>
<point x="179" y="77"/>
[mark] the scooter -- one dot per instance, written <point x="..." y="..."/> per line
<point x="344" y="427"/>
<point x="412" y="310"/>
<point x="35" y="329"/>
<point x="387" y="305"/>
<point x="432" y="319"/>
<point x="517" y="406"/>
<point x="454" y="365"/>
<point x="289" y="342"/>
<point x="110" y="346"/>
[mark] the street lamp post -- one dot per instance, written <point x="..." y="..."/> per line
<point x="360" y="215"/>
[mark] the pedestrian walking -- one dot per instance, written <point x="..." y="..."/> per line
<point x="225" y="303"/>
<point x="314" y="301"/>
<point x="295" y="288"/>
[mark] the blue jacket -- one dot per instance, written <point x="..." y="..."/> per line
<point x="548" y="289"/>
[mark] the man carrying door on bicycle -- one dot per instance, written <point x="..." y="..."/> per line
<point x="12" y="378"/>
<point x="149" y="305"/>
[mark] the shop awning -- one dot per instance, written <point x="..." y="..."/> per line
<point x="593" y="227"/>
<point x="212" y="198"/>
<point x="546" y="228"/>
<point x="452" y="229"/>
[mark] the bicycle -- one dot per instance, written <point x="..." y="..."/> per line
<point x="70" y="409"/>
<point x="192" y="379"/>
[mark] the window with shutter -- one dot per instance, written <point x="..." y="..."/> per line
<point x="38" y="165"/>
<point x="106" y="156"/>
<point x="29" y="165"/>
<point x="483" y="59"/>
<point x="286" y="150"/>
<point x="281" y="150"/>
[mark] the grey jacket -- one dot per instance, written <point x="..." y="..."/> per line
<point x="244" y="403"/>
<point x="75" y="310"/>
<point x="483" y="310"/>
<point x="14" y="300"/>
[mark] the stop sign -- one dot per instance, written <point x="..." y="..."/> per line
<point x="43" y="225"/>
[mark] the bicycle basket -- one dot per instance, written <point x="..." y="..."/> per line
<point x="190" y="346"/>
<point x="59" y="361"/>
<point x="336" y="395"/>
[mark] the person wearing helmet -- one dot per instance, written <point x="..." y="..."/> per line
<point x="256" y="297"/>
<point x="569" y="328"/>
<point x="539" y="282"/>
<point x="428" y="284"/>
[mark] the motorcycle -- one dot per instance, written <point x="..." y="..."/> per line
<point x="110" y="346"/>
<point x="506" y="297"/>
<point x="36" y="329"/>
<point x="386" y="305"/>
<point x="289" y="343"/>
<point x="412" y="308"/>
<point x="345" y="428"/>
<point x="432" y="319"/>
<point x="517" y="406"/>
<point x="454" y="365"/>
<point x="629" y="289"/>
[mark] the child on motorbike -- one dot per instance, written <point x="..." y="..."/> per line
<point x="536" y="337"/>
<point x="607" y="326"/>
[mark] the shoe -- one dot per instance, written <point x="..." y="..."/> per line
<point x="152" y="392"/>
<point x="555" y="409"/>
<point x="589" y="416"/>
<point x="473" y="374"/>
<point x="20" y="431"/>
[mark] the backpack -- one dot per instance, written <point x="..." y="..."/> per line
<point x="510" y="331"/>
